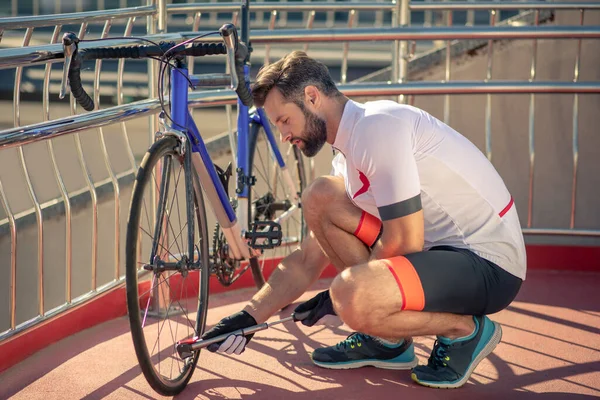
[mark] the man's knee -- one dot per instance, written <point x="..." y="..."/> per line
<point x="321" y="193"/>
<point x="349" y="295"/>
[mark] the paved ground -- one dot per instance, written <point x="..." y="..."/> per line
<point x="550" y="350"/>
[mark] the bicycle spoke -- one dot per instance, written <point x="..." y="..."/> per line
<point x="177" y="205"/>
<point x="159" y="330"/>
<point x="179" y="303"/>
<point x="160" y="244"/>
<point x="148" y="303"/>
<point x="146" y="212"/>
<point x="171" y="208"/>
<point x="179" y="234"/>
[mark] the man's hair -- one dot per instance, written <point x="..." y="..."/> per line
<point x="291" y="75"/>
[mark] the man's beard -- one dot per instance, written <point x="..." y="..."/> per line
<point x="314" y="135"/>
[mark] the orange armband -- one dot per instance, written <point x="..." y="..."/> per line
<point x="368" y="229"/>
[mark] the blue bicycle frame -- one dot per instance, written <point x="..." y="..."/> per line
<point x="233" y="225"/>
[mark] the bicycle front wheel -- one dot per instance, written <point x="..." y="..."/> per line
<point x="167" y="267"/>
<point x="275" y="196"/>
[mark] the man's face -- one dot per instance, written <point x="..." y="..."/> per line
<point x="299" y="125"/>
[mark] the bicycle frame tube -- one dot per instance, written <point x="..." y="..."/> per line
<point x="243" y="156"/>
<point x="204" y="166"/>
<point x="215" y="193"/>
<point x="179" y="100"/>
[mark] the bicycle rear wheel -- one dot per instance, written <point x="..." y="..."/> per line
<point x="275" y="196"/>
<point x="167" y="269"/>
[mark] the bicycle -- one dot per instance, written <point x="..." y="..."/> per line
<point x="163" y="279"/>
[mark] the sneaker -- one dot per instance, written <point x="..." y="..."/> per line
<point x="360" y="350"/>
<point x="452" y="361"/>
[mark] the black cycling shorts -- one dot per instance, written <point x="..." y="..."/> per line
<point x="452" y="280"/>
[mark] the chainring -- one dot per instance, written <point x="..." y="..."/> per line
<point x="222" y="265"/>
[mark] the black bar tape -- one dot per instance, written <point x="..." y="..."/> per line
<point x="100" y="53"/>
<point x="203" y="49"/>
<point x="243" y="92"/>
<point x="196" y="50"/>
<point x="79" y="93"/>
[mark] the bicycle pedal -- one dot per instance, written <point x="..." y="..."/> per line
<point x="265" y="235"/>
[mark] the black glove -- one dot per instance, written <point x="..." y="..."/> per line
<point x="234" y="343"/>
<point x="317" y="307"/>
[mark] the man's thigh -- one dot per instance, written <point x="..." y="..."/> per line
<point x="460" y="282"/>
<point x="444" y="280"/>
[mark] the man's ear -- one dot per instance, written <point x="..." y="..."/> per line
<point x="312" y="96"/>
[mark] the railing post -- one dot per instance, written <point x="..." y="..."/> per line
<point x="400" y="51"/>
<point x="162" y="16"/>
<point x="152" y="70"/>
<point x="151" y="28"/>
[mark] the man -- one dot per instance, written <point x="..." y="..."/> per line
<point x="418" y="222"/>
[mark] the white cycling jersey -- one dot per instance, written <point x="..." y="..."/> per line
<point x="397" y="159"/>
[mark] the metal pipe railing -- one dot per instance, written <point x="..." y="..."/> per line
<point x="417" y="33"/>
<point x="576" y="128"/>
<point x="447" y="74"/>
<point x="11" y="58"/>
<point x="503" y="5"/>
<point x="30" y="190"/>
<point x="382" y="6"/>
<point x="59" y="180"/>
<point x="75" y="18"/>
<point x="488" y="100"/>
<point x="52" y="129"/>
<point x="13" y="258"/>
<point x="107" y="162"/>
<point x="260" y="6"/>
<point x="531" y="125"/>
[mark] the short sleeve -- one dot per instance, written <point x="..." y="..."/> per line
<point x="338" y="164"/>
<point x="382" y="150"/>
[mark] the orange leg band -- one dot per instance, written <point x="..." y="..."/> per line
<point x="409" y="283"/>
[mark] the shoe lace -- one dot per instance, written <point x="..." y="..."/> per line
<point x="439" y="356"/>
<point x="355" y="339"/>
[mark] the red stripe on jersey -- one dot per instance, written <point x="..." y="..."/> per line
<point x="365" y="186"/>
<point x="508" y="206"/>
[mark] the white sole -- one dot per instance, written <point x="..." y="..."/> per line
<point x="369" y="363"/>
<point x="489" y="347"/>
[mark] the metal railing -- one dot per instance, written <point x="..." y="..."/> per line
<point x="395" y="32"/>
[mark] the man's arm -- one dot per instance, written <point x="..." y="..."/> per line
<point x="294" y="274"/>
<point x="400" y="236"/>
<point x="289" y="281"/>
<point x="383" y="150"/>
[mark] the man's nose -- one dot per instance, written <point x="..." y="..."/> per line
<point x="285" y="137"/>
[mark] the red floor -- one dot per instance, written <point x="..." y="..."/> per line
<point x="550" y="350"/>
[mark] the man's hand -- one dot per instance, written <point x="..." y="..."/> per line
<point x="234" y="344"/>
<point x="318" y="307"/>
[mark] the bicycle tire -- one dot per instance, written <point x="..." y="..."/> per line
<point x="165" y="149"/>
<point x="292" y="233"/>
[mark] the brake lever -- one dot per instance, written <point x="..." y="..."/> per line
<point x="229" y="34"/>
<point x="70" y="41"/>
